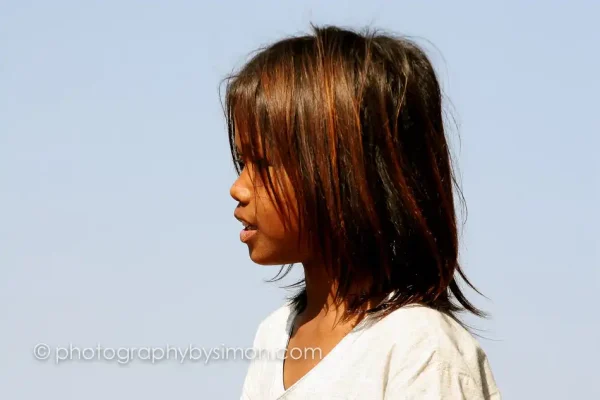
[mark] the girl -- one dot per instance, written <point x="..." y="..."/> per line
<point x="343" y="167"/>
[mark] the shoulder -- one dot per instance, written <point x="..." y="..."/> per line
<point x="276" y="318"/>
<point x="269" y="335"/>
<point x="273" y="325"/>
<point x="429" y="346"/>
<point x="417" y="324"/>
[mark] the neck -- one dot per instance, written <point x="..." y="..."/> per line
<point x="320" y="296"/>
<point x="320" y="291"/>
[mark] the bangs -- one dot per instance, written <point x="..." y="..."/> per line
<point x="248" y="122"/>
<point x="259" y="113"/>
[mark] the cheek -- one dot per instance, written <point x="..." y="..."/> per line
<point x="276" y="242"/>
<point x="270" y="216"/>
<point x="270" y="221"/>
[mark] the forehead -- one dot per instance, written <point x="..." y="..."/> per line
<point x="237" y="138"/>
<point x="237" y="141"/>
<point x="247" y="142"/>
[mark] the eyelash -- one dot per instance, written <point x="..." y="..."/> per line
<point x="240" y="163"/>
<point x="263" y="163"/>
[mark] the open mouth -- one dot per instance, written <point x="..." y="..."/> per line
<point x="248" y="227"/>
<point x="248" y="232"/>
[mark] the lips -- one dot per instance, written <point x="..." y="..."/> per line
<point x="245" y="235"/>
<point x="249" y="229"/>
<point x="247" y="225"/>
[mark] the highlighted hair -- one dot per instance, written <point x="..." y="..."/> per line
<point x="355" y="121"/>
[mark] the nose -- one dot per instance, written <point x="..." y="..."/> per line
<point x="240" y="192"/>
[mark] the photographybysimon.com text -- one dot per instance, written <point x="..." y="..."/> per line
<point x="167" y="353"/>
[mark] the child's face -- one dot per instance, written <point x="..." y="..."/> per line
<point x="269" y="243"/>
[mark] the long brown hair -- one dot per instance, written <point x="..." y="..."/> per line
<point x="355" y="120"/>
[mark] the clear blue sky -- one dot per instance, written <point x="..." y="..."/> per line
<point x="116" y="224"/>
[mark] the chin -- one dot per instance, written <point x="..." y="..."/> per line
<point x="263" y="259"/>
<point x="267" y="258"/>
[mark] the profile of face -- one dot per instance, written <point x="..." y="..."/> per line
<point x="269" y="241"/>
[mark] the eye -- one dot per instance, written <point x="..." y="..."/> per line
<point x="262" y="163"/>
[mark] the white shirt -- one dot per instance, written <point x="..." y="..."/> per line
<point x="413" y="353"/>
